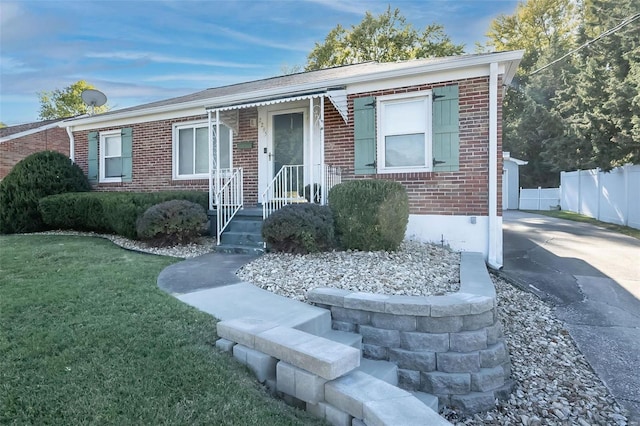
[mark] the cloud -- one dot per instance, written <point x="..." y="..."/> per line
<point x="10" y="65"/>
<point x="166" y="59"/>
<point x="202" y="77"/>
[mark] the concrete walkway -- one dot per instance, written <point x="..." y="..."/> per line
<point x="592" y="277"/>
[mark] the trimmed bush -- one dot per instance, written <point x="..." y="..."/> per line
<point x="370" y="214"/>
<point x="111" y="212"/>
<point x="37" y="176"/>
<point x="172" y="222"/>
<point x="300" y="229"/>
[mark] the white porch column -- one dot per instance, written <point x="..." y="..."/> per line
<point x="494" y="258"/>
<point x="310" y="173"/>
<point x="323" y="171"/>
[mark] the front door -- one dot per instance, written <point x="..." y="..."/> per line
<point x="287" y="149"/>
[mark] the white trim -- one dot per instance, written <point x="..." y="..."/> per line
<point x="29" y="132"/>
<point x="381" y="103"/>
<point x="72" y="145"/>
<point x="460" y="233"/>
<point x="196" y="124"/>
<point x="339" y="99"/>
<point x="510" y="60"/>
<point x="102" y="153"/>
<point x="494" y="258"/>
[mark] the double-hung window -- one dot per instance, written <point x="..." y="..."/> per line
<point x="404" y="133"/>
<point x="191" y="149"/>
<point x="111" y="156"/>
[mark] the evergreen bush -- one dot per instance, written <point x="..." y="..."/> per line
<point x="111" y="212"/>
<point x="370" y="214"/>
<point x="35" y="177"/>
<point x="300" y="229"/>
<point x="172" y="222"/>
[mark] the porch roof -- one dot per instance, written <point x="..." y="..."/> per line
<point x="337" y="96"/>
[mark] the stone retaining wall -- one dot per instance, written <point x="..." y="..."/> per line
<point x="450" y="346"/>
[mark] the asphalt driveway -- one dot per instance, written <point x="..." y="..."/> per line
<point x="592" y="278"/>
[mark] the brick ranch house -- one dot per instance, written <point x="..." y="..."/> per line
<point x="432" y="124"/>
<point x="18" y="142"/>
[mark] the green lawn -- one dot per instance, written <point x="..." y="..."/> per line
<point x="86" y="337"/>
<point x="561" y="214"/>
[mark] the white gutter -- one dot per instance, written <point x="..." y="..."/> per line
<point x="494" y="259"/>
<point x="212" y="103"/>
<point x="72" y="145"/>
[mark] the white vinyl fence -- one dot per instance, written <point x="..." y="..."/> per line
<point x="612" y="197"/>
<point x="539" y="199"/>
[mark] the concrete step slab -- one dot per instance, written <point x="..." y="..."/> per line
<point x="246" y="300"/>
<point x="427" y="399"/>
<point x="350" y="339"/>
<point x="383" y="370"/>
<point x="239" y="249"/>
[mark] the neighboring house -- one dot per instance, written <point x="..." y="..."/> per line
<point x="434" y="125"/>
<point x="18" y="142"/>
<point x="511" y="181"/>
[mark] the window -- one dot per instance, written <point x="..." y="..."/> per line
<point x="111" y="156"/>
<point x="191" y="150"/>
<point x="404" y="133"/>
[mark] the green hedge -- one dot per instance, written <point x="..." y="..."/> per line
<point x="370" y="214"/>
<point x="111" y="212"/>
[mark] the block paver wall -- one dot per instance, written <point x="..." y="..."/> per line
<point x="445" y="193"/>
<point x="14" y="150"/>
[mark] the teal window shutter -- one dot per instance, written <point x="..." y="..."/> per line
<point x="364" y="132"/>
<point x="92" y="172"/>
<point x="127" y="155"/>
<point x="446" y="129"/>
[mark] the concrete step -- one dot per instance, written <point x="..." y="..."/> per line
<point x="350" y="339"/>
<point x="314" y="354"/>
<point x="383" y="370"/>
<point x="242" y="238"/>
<point x="246" y="300"/>
<point x="241" y="224"/>
<point x="238" y="249"/>
<point x="250" y="213"/>
<point x="377" y="402"/>
<point x="427" y="399"/>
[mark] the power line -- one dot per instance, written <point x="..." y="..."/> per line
<point x="610" y="31"/>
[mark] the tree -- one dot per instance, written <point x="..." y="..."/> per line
<point x="2" y="125"/>
<point x="67" y="102"/>
<point x="601" y="106"/>
<point x="385" y="38"/>
<point x="545" y="29"/>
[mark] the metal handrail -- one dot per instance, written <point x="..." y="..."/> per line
<point x="229" y="199"/>
<point x="286" y="187"/>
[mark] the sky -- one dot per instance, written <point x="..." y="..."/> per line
<point x="142" y="51"/>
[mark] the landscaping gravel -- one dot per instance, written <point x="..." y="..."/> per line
<point x="555" y="384"/>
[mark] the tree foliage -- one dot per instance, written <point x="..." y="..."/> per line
<point x="383" y="38"/>
<point x="67" y="102"/>
<point x="601" y="105"/>
<point x="581" y="112"/>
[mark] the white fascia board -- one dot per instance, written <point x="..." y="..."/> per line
<point x="449" y="65"/>
<point x="29" y="132"/>
<point x="141" y="117"/>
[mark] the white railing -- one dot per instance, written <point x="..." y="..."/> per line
<point x="228" y="198"/>
<point x="331" y="176"/>
<point x="288" y="187"/>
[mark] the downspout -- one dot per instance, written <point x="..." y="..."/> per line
<point x="72" y="145"/>
<point x="210" y="161"/>
<point x="494" y="258"/>
<point x="324" y="193"/>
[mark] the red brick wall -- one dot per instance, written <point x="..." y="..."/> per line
<point x="247" y="158"/>
<point x="14" y="150"/>
<point x="464" y="192"/>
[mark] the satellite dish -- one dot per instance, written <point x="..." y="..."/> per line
<point x="93" y="98"/>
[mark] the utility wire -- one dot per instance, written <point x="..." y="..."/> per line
<point x="610" y="31"/>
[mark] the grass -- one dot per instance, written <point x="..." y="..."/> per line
<point x="562" y="214"/>
<point x="86" y="337"/>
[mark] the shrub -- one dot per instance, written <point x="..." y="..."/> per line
<point x="317" y="193"/>
<point x="172" y="222"/>
<point x="37" y="176"/>
<point x="300" y="229"/>
<point x="113" y="212"/>
<point x="370" y="214"/>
